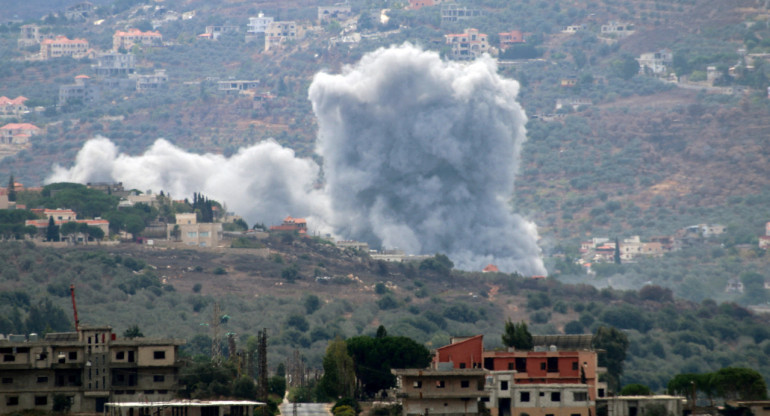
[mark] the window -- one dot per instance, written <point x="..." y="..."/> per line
<point x="553" y="364"/>
<point x="41" y="400"/>
<point x="510" y="366"/>
<point x="192" y="234"/>
<point x="120" y="355"/>
<point x="439" y="384"/>
<point x="503" y="385"/>
<point x="542" y="366"/>
<point x="204" y="234"/>
<point x="12" y="401"/>
<point x="158" y="378"/>
<point x="465" y="384"/>
<point x="42" y="379"/>
<point x="417" y="384"/>
<point x="579" y="396"/>
<point x="159" y="355"/>
<point x="575" y="365"/>
<point x="462" y="365"/>
<point x="9" y="358"/>
<point x="601" y="392"/>
<point x="149" y="392"/>
<point x="162" y="391"/>
<point x="524" y="396"/>
<point x="575" y="414"/>
<point x="555" y="396"/>
<point x="119" y="392"/>
<point x="7" y="380"/>
<point x="73" y="355"/>
<point x="521" y="365"/>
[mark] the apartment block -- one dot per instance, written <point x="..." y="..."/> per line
<point x="88" y="368"/>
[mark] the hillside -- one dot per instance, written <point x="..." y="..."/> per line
<point x="174" y="291"/>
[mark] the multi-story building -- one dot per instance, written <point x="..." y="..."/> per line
<point x="62" y="46"/>
<point x="508" y="39"/>
<point x="655" y="62"/>
<point x="17" y="133"/>
<point x="193" y="233"/>
<point x="278" y="33"/>
<point x="88" y="368"/>
<point x="467" y="45"/>
<point x="83" y="90"/>
<point x="440" y="391"/>
<point x="453" y="12"/>
<point x="559" y="377"/>
<point x="113" y="64"/>
<point x="618" y="28"/>
<point x="259" y="24"/>
<point x="152" y="81"/>
<point x="29" y="35"/>
<point x="126" y="40"/>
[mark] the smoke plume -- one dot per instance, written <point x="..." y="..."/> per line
<point x="418" y="154"/>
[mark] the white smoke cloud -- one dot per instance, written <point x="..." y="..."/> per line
<point x="264" y="182"/>
<point x="418" y="154"/>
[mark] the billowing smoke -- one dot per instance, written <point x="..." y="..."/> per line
<point x="264" y="182"/>
<point x="418" y="154"/>
<point x="421" y="154"/>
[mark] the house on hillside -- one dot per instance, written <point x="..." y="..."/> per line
<point x="468" y="45"/>
<point x="189" y="231"/>
<point x="280" y="32"/>
<point x="80" y="11"/>
<point x="337" y="12"/>
<point x="13" y="107"/>
<point x="83" y="90"/>
<point x="127" y="39"/>
<point x="508" y="39"/>
<point x="18" y="133"/>
<point x="62" y="46"/>
<point x="214" y="32"/>
<point x="618" y="29"/>
<point x="655" y="63"/>
<point x="298" y="225"/>
<point x="446" y="392"/>
<point x="453" y="12"/>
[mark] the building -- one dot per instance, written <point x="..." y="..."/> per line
<point x="298" y="225"/>
<point x="89" y="367"/>
<point x="237" y="86"/>
<point x="655" y="63"/>
<point x="183" y="407"/>
<point x="214" y="32"/>
<point x="618" y="29"/>
<point x="352" y="244"/>
<point x="84" y="90"/>
<point x="152" y="81"/>
<point x="440" y="391"/>
<point x="192" y="233"/>
<point x="80" y="11"/>
<point x="573" y="29"/>
<point x="278" y="33"/>
<point x="337" y="12"/>
<point x="62" y="46"/>
<point x="508" y="39"/>
<point x="453" y="12"/>
<point x="114" y="64"/>
<point x="18" y="133"/>
<point x="541" y="399"/>
<point x="643" y="405"/>
<point x="42" y="228"/>
<point x="126" y="40"/>
<point x="573" y="103"/>
<point x="29" y="35"/>
<point x="13" y="107"/>
<point x="467" y="45"/>
<point x="259" y="24"/>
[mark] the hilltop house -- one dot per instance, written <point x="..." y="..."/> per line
<point x="508" y="39"/>
<point x="126" y="40"/>
<point x="193" y="233"/>
<point x="280" y="32"/>
<point x="18" y="133"/>
<point x="291" y="224"/>
<point x="83" y="90"/>
<point x="13" y="107"/>
<point x="453" y="12"/>
<point x="90" y="367"/>
<point x="79" y="11"/>
<point x="62" y="46"/>
<point x="655" y="63"/>
<point x="336" y="12"/>
<point x="467" y="45"/>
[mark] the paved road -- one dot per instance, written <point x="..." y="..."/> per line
<point x="304" y="409"/>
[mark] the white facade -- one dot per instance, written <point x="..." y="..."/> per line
<point x="259" y="24"/>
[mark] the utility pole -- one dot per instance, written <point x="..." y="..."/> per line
<point x="262" y="365"/>
<point x="216" y="347"/>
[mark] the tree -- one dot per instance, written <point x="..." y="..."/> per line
<point x="374" y="358"/>
<point x="52" y="232"/>
<point x="69" y="229"/>
<point x="626" y="67"/>
<point x="132" y="332"/>
<point x="245" y="388"/>
<point x="95" y="232"/>
<point x="735" y="383"/>
<point x="614" y="343"/>
<point x="616" y="256"/>
<point x="339" y="377"/>
<point x="312" y="303"/>
<point x="517" y="335"/>
<point x="635" y="389"/>
<point x="11" y="190"/>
